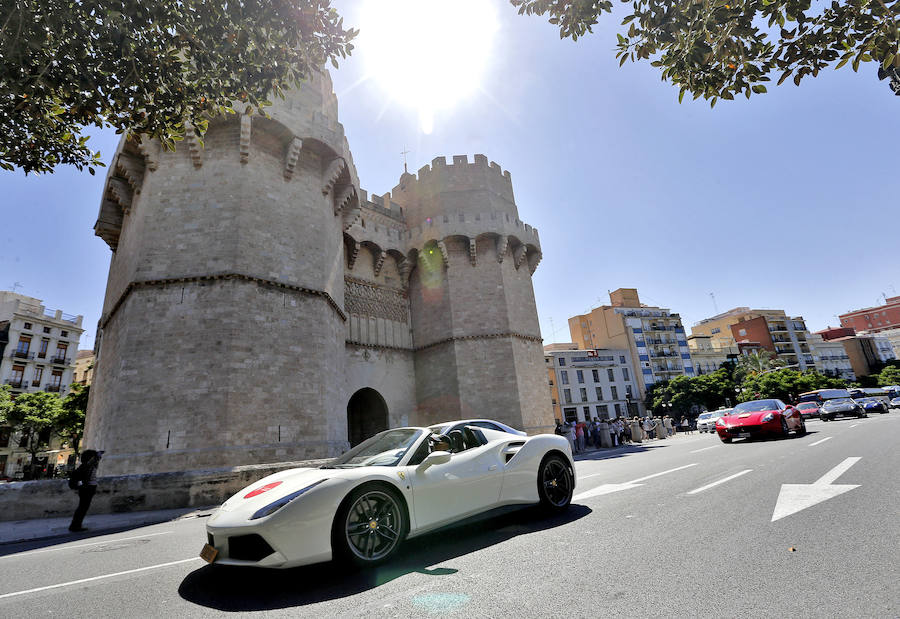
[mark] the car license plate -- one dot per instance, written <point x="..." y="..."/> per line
<point x="209" y="553"/>
<point x="743" y="435"/>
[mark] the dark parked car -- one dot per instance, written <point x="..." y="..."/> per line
<point x="840" y="406"/>
<point x="895" y="403"/>
<point x="873" y="405"/>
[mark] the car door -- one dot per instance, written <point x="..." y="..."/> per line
<point x="791" y="415"/>
<point x="469" y="483"/>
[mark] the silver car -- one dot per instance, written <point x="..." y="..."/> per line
<point x="706" y="422"/>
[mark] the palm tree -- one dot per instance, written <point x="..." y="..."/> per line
<point x="757" y="363"/>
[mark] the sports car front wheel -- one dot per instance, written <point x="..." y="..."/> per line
<point x="369" y="526"/>
<point x="555" y="483"/>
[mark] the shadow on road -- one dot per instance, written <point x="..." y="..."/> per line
<point x="248" y="589"/>
<point x="619" y="453"/>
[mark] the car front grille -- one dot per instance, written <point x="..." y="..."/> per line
<point x="248" y="547"/>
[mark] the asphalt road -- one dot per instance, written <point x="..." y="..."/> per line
<point x="679" y="528"/>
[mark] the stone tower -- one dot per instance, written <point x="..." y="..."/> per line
<point x="261" y="308"/>
<point x="474" y="321"/>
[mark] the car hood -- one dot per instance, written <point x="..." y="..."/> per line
<point x="282" y="483"/>
<point x="838" y="407"/>
<point x="746" y="419"/>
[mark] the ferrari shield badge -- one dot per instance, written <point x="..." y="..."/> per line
<point x="401" y="474"/>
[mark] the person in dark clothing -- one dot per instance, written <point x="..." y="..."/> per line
<point x="86" y="476"/>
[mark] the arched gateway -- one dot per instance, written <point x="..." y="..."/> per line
<point x="367" y="415"/>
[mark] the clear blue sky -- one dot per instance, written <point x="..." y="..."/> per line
<point x="787" y="201"/>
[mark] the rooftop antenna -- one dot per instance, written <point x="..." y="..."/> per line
<point x="715" y="305"/>
<point x="404" y="153"/>
<point x="17" y="285"/>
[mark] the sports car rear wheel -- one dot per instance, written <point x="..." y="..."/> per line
<point x="555" y="483"/>
<point x="369" y="526"/>
<point x="784" y="428"/>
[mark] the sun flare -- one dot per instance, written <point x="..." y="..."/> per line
<point x="428" y="54"/>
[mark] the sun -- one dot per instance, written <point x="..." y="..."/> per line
<point x="427" y="54"/>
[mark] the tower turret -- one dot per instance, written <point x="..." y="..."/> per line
<point x="474" y="321"/>
<point x="225" y="298"/>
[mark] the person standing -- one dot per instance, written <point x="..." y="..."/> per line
<point x="84" y="479"/>
<point x="570" y="434"/>
<point x="579" y="435"/>
<point x="648" y="427"/>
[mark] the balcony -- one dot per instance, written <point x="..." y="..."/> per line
<point x="16" y="383"/>
<point x="59" y="360"/>
<point x="35" y="383"/>
<point x="21" y="354"/>
<point x="777" y="328"/>
<point x="52" y="388"/>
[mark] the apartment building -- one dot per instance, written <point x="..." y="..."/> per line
<point x="84" y="367"/>
<point x="708" y="358"/>
<point x="830" y="358"/>
<point x="591" y="383"/>
<point x="772" y="330"/>
<point x="37" y="353"/>
<point x="873" y="319"/>
<point x="653" y="337"/>
<point x="867" y="352"/>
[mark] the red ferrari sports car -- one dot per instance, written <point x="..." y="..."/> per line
<point x="758" y="418"/>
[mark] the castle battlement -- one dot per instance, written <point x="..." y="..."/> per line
<point x="461" y="162"/>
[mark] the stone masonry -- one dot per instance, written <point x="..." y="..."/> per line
<point x="256" y="295"/>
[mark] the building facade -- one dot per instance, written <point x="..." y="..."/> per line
<point x="768" y="329"/>
<point x="37" y="353"/>
<point x="585" y="384"/>
<point x="830" y="358"/>
<point x="873" y="319"/>
<point x="867" y="353"/>
<point x="653" y="337"/>
<point x="260" y="307"/>
<point x="84" y="367"/>
<point x="708" y="358"/>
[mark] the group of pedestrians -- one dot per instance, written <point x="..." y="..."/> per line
<point x="622" y="431"/>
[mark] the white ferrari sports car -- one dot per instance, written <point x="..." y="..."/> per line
<point x="396" y="485"/>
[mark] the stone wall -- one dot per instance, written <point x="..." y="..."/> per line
<point x="131" y="493"/>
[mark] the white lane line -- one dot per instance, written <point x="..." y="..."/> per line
<point x="696" y="451"/>
<point x="721" y="481"/>
<point x="827" y="438"/>
<point x="628" y="485"/>
<point x="686" y="466"/>
<point x="109" y="541"/>
<point x="84" y="580"/>
<point x="854" y="425"/>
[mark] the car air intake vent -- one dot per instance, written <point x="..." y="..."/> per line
<point x="248" y="548"/>
<point x="512" y="449"/>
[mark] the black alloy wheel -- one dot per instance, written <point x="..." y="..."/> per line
<point x="555" y="483"/>
<point x="370" y="525"/>
<point x="802" y="429"/>
<point x="784" y="427"/>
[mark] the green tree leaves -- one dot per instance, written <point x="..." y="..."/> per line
<point x="147" y="67"/>
<point x="718" y="49"/>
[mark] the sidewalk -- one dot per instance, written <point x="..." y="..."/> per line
<point x="48" y="528"/>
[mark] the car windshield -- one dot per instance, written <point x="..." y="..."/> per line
<point x="807" y="405"/>
<point x="384" y="449"/>
<point x="838" y="402"/>
<point x="705" y="416"/>
<point x="755" y="406"/>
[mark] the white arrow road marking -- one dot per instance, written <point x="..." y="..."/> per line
<point x="827" y="438"/>
<point x="84" y="580"/>
<point x="797" y="497"/>
<point x="721" y="481"/>
<point x="634" y="483"/>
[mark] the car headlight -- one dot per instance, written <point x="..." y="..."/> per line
<point x="273" y="507"/>
<point x="720" y="421"/>
<point x="768" y="417"/>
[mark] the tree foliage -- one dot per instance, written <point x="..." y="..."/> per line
<point x="70" y="421"/>
<point x="5" y="402"/>
<point x="147" y="67"/>
<point x="786" y="384"/>
<point x="719" y="49"/>
<point x="33" y="414"/>
<point x="757" y="362"/>
<point x="889" y="376"/>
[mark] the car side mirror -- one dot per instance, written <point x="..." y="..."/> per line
<point x="435" y="457"/>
